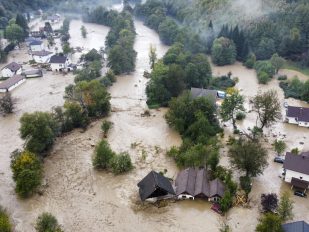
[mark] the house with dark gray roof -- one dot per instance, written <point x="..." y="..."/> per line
<point x="11" y="83"/>
<point x="36" y="45"/>
<point x="213" y="95"/>
<point x="59" y="63"/>
<point x="155" y="185"/>
<point x="41" y="57"/>
<point x="296" y="170"/>
<point x="194" y="183"/>
<point x="11" y="69"/>
<point x="297" y="115"/>
<point x="300" y="226"/>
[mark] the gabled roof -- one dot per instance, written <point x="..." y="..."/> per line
<point x="300" y="226"/>
<point x="195" y="182"/>
<point x="297" y="183"/>
<point x="216" y="188"/>
<point x="185" y="182"/>
<point x="297" y="163"/>
<point x="154" y="185"/>
<point x="301" y="113"/>
<point x="36" y="42"/>
<point x="13" y="66"/>
<point x="198" y="92"/>
<point x="41" y="53"/>
<point x="11" y="81"/>
<point x="55" y="59"/>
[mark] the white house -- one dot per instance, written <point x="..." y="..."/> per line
<point x="11" y="70"/>
<point x="59" y="63"/>
<point x="11" y="83"/>
<point x="298" y="115"/>
<point x="42" y="57"/>
<point x="296" y="170"/>
<point x="36" y="46"/>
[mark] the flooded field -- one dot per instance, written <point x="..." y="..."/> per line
<point x="86" y="200"/>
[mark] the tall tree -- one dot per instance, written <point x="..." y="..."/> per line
<point x="285" y="208"/>
<point x="269" y="202"/>
<point x="22" y="22"/>
<point x="14" y="33"/>
<point x="7" y="104"/>
<point x="279" y="146"/>
<point x="231" y="106"/>
<point x="268" y="108"/>
<point x="152" y="56"/>
<point x="277" y="62"/>
<point x="269" y="223"/>
<point x="248" y="156"/>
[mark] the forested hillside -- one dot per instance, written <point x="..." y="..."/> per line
<point x="269" y="26"/>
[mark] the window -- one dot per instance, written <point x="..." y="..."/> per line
<point x="301" y="177"/>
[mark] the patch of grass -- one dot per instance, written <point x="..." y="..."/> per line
<point x="296" y="67"/>
<point x="154" y="106"/>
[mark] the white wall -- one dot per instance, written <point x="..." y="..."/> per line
<point x="41" y="59"/>
<point x="7" y="72"/>
<point x="303" y="124"/>
<point x="289" y="174"/>
<point x="291" y="120"/>
<point x="37" y="48"/>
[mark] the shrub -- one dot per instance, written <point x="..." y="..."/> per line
<point x="121" y="163"/>
<point x="46" y="222"/>
<point x="106" y="126"/>
<point x="282" y="78"/>
<point x="240" y="116"/>
<point x="7" y="104"/>
<point x="103" y="156"/>
<point x="250" y="61"/>
<point x="263" y="77"/>
<point x="245" y="184"/>
<point x="5" y="225"/>
<point x="27" y="172"/>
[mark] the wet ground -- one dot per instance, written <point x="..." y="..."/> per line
<point x="86" y="200"/>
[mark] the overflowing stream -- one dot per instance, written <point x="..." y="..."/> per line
<point x="85" y="200"/>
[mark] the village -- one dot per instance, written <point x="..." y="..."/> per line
<point x="36" y="74"/>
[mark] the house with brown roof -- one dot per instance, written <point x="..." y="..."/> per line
<point x="296" y="170"/>
<point x="297" y="115"/>
<point x="11" y="83"/>
<point x="194" y="183"/>
<point x="11" y="69"/>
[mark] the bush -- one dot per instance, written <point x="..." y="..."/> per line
<point x="5" y="225"/>
<point x="263" y="78"/>
<point x="250" y="61"/>
<point x="27" y="172"/>
<point x="240" y="116"/>
<point x="121" y="163"/>
<point x="282" y="78"/>
<point x="7" y="104"/>
<point x="245" y="184"/>
<point x="106" y="125"/>
<point x="103" y="156"/>
<point x="46" y="222"/>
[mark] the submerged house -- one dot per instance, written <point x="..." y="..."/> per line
<point x="11" y="83"/>
<point x="214" y="95"/>
<point x="296" y="170"/>
<point x="194" y="183"/>
<point x="297" y="115"/>
<point x="59" y="63"/>
<point x="36" y="45"/>
<point x="155" y="185"/>
<point x="11" y="69"/>
<point x="299" y="226"/>
<point x="41" y="57"/>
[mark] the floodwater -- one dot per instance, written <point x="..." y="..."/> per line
<point x="87" y="200"/>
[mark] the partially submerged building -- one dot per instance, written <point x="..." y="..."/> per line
<point x="296" y="170"/>
<point x="194" y="183"/>
<point x="11" y="69"/>
<point x="214" y="95"/>
<point x="36" y="46"/>
<point x="33" y="73"/>
<point x="299" y="226"/>
<point x="59" y="63"/>
<point x="41" y="57"/>
<point x="11" y="83"/>
<point x="155" y="185"/>
<point x="297" y="115"/>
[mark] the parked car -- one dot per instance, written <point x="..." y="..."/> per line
<point x="285" y="104"/>
<point x="279" y="159"/>
<point x="300" y="193"/>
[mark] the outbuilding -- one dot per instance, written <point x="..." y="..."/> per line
<point x="33" y="73"/>
<point x="11" y="69"/>
<point x="36" y="46"/>
<point x="299" y="226"/>
<point x="11" y="83"/>
<point x="155" y="185"/>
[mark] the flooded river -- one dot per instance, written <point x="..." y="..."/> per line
<point x="86" y="200"/>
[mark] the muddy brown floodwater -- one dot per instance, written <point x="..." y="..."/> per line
<point x="86" y="200"/>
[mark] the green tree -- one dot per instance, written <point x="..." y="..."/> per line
<point x="22" y="22"/>
<point x="83" y="31"/>
<point x="66" y="48"/>
<point x="75" y="116"/>
<point x="168" y="31"/>
<point x="232" y="105"/>
<point x="285" y="209"/>
<point x="223" y="51"/>
<point x="39" y="131"/>
<point x="5" y="225"/>
<point x="248" y="156"/>
<point x="121" y="163"/>
<point x="268" y="108"/>
<point x="279" y="146"/>
<point x="246" y="184"/>
<point x="7" y="104"/>
<point x="152" y="56"/>
<point x="106" y="126"/>
<point x="103" y="156"/>
<point x="226" y="201"/>
<point x="14" y="33"/>
<point x="250" y="61"/>
<point x="269" y="223"/>
<point x="277" y="62"/>
<point x="46" y="222"/>
<point x="27" y="172"/>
